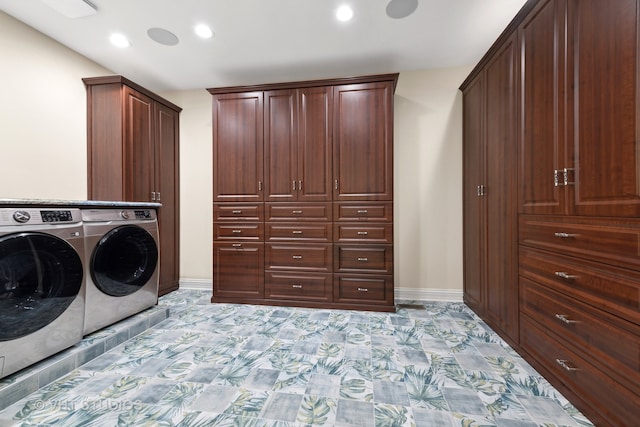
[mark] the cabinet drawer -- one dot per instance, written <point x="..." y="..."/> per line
<point x="312" y="287"/>
<point x="299" y="257"/>
<point x="238" y="270"/>
<point x="363" y="212"/>
<point x="610" y="340"/>
<point x="361" y="289"/>
<point x="359" y="232"/>
<point x="613" y="289"/>
<point x="301" y="232"/>
<point x="238" y="212"/>
<point x="238" y="231"/>
<point x="363" y="259"/>
<point x="611" y="241"/>
<point x="613" y="403"/>
<point x="298" y="212"/>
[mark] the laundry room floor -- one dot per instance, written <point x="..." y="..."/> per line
<point x="429" y="364"/>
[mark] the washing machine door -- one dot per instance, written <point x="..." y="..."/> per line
<point x="124" y="260"/>
<point x="40" y="276"/>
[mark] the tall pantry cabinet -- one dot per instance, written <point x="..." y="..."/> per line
<point x="133" y="155"/>
<point x="578" y="199"/>
<point x="303" y="193"/>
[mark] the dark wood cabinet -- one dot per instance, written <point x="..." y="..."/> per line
<point x="578" y="188"/>
<point x="490" y="197"/>
<point x="133" y="155"/>
<point x="297" y="150"/>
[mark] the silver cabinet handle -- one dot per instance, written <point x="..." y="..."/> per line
<point x="565" y="275"/>
<point x="158" y="196"/>
<point x="363" y="233"/>
<point x="296" y="286"/>
<point x="297" y="232"/>
<point x="299" y="185"/>
<point x="362" y="211"/>
<point x="565" y="364"/>
<point x="236" y="212"/>
<point x="336" y="184"/>
<point x="565" y="235"/>
<point x="294" y="186"/>
<point x="565" y="319"/>
<point x="153" y="196"/>
<point x="237" y="245"/>
<point x="363" y="259"/>
<point x="297" y="212"/>
<point x="363" y="290"/>
<point x="297" y="257"/>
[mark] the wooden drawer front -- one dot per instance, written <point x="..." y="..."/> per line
<point x="299" y="257"/>
<point x="613" y="289"/>
<point x="298" y="212"/>
<point x="610" y="241"/>
<point x="238" y="231"/>
<point x="614" y="404"/>
<point x="607" y="339"/>
<point x="302" y="232"/>
<point x="378" y="233"/>
<point x="238" y="212"/>
<point x="363" y="212"/>
<point x="364" y="259"/>
<point x="363" y="289"/>
<point x="238" y="270"/>
<point x="312" y="287"/>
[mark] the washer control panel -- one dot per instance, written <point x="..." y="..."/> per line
<point x="27" y="216"/>
<point x="56" y="216"/>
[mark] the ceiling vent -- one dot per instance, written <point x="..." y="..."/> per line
<point x="72" y="8"/>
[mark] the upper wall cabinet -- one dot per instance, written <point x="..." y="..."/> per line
<point x="363" y="157"/>
<point x="237" y="147"/>
<point x="579" y="133"/>
<point x="297" y="143"/>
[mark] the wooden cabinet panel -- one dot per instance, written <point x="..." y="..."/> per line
<point x="363" y="289"/>
<point x="364" y="233"/>
<point x="355" y="211"/>
<point x="609" y="403"/>
<point x="296" y="286"/>
<point x="238" y="231"/>
<point x="281" y="145"/>
<point x="298" y="212"/>
<point x="309" y="232"/>
<point x="296" y="257"/>
<point x="363" y="141"/>
<point x="238" y="147"/>
<point x="238" y="212"/>
<point x="139" y="145"/>
<point x="238" y="270"/>
<point x="363" y="259"/>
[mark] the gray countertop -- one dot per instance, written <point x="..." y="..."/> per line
<point x="77" y="203"/>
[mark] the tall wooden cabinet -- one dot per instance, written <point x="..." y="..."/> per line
<point x="133" y="155"/>
<point x="303" y="193"/>
<point x="578" y="195"/>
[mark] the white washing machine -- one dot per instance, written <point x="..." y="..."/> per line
<point x="122" y="264"/>
<point x="42" y="288"/>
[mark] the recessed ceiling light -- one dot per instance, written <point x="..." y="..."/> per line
<point x="203" y="31"/>
<point x="344" y="13"/>
<point x="119" y="40"/>
<point x="162" y="36"/>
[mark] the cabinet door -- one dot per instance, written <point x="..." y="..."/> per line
<point x="543" y="109"/>
<point x="604" y="62"/>
<point x="139" y="146"/>
<point x="315" y="144"/>
<point x="473" y="202"/>
<point x="501" y="193"/>
<point x="237" y="147"/>
<point x="280" y="145"/>
<point x="363" y="141"/>
<point x="167" y="186"/>
<point x="238" y="270"/>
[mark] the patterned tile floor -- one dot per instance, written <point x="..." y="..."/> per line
<point x="430" y="364"/>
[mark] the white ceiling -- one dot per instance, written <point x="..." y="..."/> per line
<point x="269" y="41"/>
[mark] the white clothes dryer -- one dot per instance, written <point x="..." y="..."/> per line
<point x="122" y="270"/>
<point x="42" y="289"/>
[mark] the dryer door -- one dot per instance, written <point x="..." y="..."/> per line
<point x="40" y="276"/>
<point x="124" y="260"/>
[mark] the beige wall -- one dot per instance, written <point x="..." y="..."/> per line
<point x="43" y="151"/>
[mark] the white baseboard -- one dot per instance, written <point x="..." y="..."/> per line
<point x="400" y="293"/>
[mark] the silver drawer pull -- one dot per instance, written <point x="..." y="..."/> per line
<point x="565" y="235"/>
<point x="363" y="290"/>
<point x="565" y="365"/>
<point x="236" y="212"/>
<point x="565" y="275"/>
<point x="297" y="212"/>
<point x="297" y="232"/>
<point x="297" y="257"/>
<point x="363" y="233"/>
<point x="565" y="319"/>
<point x="296" y="286"/>
<point x="236" y="231"/>
<point x="363" y="259"/>
<point x="362" y="211"/>
<point x="237" y="245"/>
